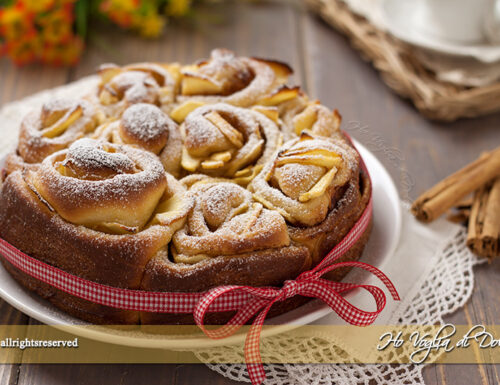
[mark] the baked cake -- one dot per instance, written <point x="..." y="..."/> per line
<point x="182" y="178"/>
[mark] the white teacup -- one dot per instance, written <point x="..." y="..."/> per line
<point x="460" y="21"/>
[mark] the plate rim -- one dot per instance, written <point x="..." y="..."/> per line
<point x="318" y="311"/>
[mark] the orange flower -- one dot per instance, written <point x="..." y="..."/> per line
<point x="38" y="6"/>
<point x="63" y="53"/>
<point x="24" y="51"/>
<point x="56" y="26"/>
<point x="120" y="11"/>
<point x="15" y="22"/>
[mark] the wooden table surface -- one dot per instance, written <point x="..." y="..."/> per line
<point x="418" y="153"/>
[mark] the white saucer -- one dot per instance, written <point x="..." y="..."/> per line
<point x="398" y="17"/>
<point x="382" y="244"/>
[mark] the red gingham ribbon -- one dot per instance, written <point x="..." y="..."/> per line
<point x="308" y="284"/>
<point x="247" y="301"/>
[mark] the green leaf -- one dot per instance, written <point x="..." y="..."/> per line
<point x="82" y="8"/>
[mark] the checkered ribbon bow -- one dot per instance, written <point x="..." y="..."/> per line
<point x="247" y="301"/>
<point x="259" y="300"/>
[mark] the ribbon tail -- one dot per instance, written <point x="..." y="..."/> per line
<point x="253" y="358"/>
<point x="365" y="266"/>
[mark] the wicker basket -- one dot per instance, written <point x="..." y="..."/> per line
<point x="403" y="72"/>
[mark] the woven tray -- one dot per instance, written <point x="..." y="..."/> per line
<point x="403" y="72"/>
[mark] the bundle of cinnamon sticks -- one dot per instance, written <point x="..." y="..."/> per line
<point x="481" y="212"/>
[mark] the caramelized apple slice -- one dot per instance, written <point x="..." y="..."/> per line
<point x="62" y="124"/>
<point x="180" y="113"/>
<point x="172" y="210"/>
<point x="188" y="162"/>
<point x="281" y="95"/>
<point x="320" y="187"/>
<point x="108" y="72"/>
<point x="271" y="112"/>
<point x="282" y="70"/>
<point x="108" y="96"/>
<point x="244" y="172"/>
<point x="231" y="133"/>
<point x="311" y="159"/>
<point x="306" y="119"/>
<point x="244" y="176"/>
<point x="225" y="156"/>
<point x="270" y="206"/>
<point x="195" y="84"/>
<point x="297" y="150"/>
<point x="212" y="164"/>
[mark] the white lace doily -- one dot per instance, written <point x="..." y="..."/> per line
<point x="445" y="288"/>
<point x="432" y="270"/>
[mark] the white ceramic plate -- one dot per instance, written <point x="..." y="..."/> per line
<point x="382" y="243"/>
<point x="398" y="15"/>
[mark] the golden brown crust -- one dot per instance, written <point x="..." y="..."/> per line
<point x="235" y="80"/>
<point x="249" y="210"/>
<point x="121" y="87"/>
<point x="225" y="221"/>
<point x="54" y="127"/>
<point x="227" y="141"/>
<point x="302" y="179"/>
<point x="320" y="239"/>
<point x="94" y="183"/>
<point x="160" y="273"/>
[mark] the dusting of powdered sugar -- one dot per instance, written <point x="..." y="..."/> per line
<point x="137" y="86"/>
<point x="90" y="154"/>
<point x="145" y="121"/>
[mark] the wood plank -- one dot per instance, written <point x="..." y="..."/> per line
<point x="18" y="82"/>
<point x="10" y="316"/>
<point x="200" y="374"/>
<point x="407" y="144"/>
<point x="96" y="374"/>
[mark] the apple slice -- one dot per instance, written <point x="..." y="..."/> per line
<point x="180" y="113"/>
<point x="196" y="84"/>
<point x="282" y="70"/>
<point x="270" y="206"/>
<point x="108" y="72"/>
<point x="281" y="95"/>
<point x="270" y="112"/>
<point x="188" y="162"/>
<point x="212" y="164"/>
<point x="174" y="209"/>
<point x="313" y="157"/>
<point x="306" y="119"/>
<point x="231" y="133"/>
<point x="62" y="124"/>
<point x="320" y="187"/>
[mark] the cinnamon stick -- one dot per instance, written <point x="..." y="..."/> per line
<point x="460" y="213"/>
<point x="459" y="216"/>
<point x="483" y="236"/>
<point x="444" y="195"/>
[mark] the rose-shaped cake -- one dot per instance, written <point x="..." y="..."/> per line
<point x="120" y="87"/>
<point x="181" y="179"/>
